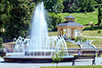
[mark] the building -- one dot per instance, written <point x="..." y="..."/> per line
<point x="69" y="27"/>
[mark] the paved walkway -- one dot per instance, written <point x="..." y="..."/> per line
<point x="92" y="36"/>
<point x="85" y="45"/>
<point x="37" y="65"/>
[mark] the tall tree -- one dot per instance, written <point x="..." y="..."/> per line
<point x="86" y="5"/>
<point x="99" y="15"/>
<point x="67" y="5"/>
<point x="54" y="19"/>
<point x="54" y="5"/>
<point x="20" y="18"/>
<point x="99" y="1"/>
<point x="73" y="8"/>
<point x="5" y="8"/>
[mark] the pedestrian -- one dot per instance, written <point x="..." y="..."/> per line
<point x="79" y="52"/>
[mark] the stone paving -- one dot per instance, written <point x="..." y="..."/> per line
<point x="92" y="36"/>
<point x="38" y="65"/>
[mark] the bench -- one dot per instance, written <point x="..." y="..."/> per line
<point x="85" y="55"/>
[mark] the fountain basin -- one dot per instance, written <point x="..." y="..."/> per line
<point x="35" y="59"/>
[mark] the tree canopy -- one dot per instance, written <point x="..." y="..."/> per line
<point x="54" y="5"/>
<point x="79" y="5"/>
<point x="19" y="20"/>
<point x="5" y="9"/>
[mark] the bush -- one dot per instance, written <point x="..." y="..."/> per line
<point x="92" y="28"/>
<point x="85" y="12"/>
<point x="99" y="31"/>
<point x="1" y="42"/>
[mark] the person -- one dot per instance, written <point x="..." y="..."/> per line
<point x="79" y="52"/>
<point x="65" y="36"/>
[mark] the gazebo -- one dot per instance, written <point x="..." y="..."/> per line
<point x="69" y="27"/>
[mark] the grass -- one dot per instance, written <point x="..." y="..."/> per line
<point x="92" y="33"/>
<point x="94" y="66"/>
<point x="97" y="42"/>
<point x="83" y="18"/>
<point x="71" y="45"/>
<point x="52" y="33"/>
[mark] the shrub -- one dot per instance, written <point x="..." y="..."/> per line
<point x="81" y="39"/>
<point x="92" y="28"/>
<point x="85" y="12"/>
<point x="99" y="31"/>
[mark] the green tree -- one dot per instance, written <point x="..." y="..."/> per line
<point x="5" y="8"/>
<point x="73" y="8"/>
<point x="54" y="5"/>
<point x="99" y="1"/>
<point x="71" y="5"/>
<point x="58" y="56"/>
<point x="67" y="5"/>
<point x="90" y="7"/>
<point x="53" y="20"/>
<point x="20" y="17"/>
<point x="81" y="39"/>
<point x="86" y="5"/>
<point x="99" y="15"/>
<point x="79" y="5"/>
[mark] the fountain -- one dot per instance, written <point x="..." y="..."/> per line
<point x="39" y="47"/>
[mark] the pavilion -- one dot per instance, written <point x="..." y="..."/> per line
<point x="69" y="27"/>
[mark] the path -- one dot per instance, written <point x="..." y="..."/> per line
<point x="85" y="45"/>
<point x="92" y="36"/>
<point x="37" y="65"/>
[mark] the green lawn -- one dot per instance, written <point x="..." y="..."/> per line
<point x="96" y="66"/>
<point x="88" y="32"/>
<point x="52" y="33"/>
<point x="97" y="42"/>
<point x="71" y="45"/>
<point x="92" y="33"/>
<point x="83" y="18"/>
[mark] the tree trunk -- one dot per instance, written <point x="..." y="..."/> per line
<point x="56" y="65"/>
<point x="99" y="20"/>
<point x="99" y="15"/>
